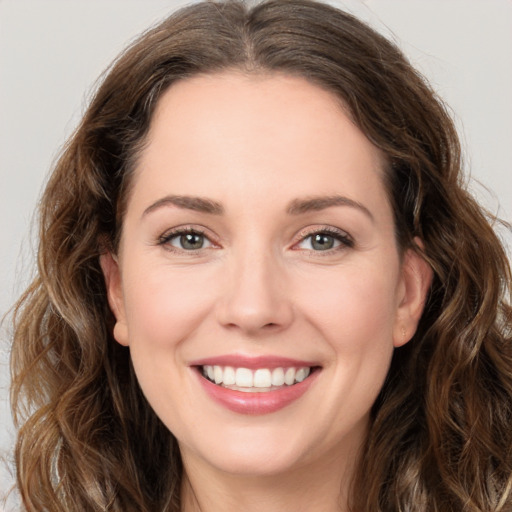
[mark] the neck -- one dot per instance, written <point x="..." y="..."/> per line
<point x="320" y="485"/>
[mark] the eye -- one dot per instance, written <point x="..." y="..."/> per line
<point x="325" y="241"/>
<point x="186" y="240"/>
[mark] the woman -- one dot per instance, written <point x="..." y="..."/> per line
<point x="261" y="284"/>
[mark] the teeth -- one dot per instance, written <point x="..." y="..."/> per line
<point x="243" y="376"/>
<point x="262" y="378"/>
<point x="300" y="375"/>
<point x="277" y="377"/>
<point x="289" y="376"/>
<point x="217" y="374"/>
<point x="229" y="377"/>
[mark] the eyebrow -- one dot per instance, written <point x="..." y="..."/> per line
<point x="198" y="204"/>
<point x="311" y="204"/>
<point x="295" y="207"/>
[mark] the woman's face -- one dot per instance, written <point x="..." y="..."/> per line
<point x="258" y="248"/>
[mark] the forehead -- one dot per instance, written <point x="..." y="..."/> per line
<point x="268" y="133"/>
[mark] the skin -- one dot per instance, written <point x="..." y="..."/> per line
<point x="254" y="145"/>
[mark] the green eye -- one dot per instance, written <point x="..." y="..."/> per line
<point x="186" y="241"/>
<point x="325" y="241"/>
<point x="322" y="242"/>
<point x="190" y="241"/>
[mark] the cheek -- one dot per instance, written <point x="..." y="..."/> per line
<point x="164" y="311"/>
<point x="355" y="313"/>
<point x="355" y="303"/>
<point x="163" y="306"/>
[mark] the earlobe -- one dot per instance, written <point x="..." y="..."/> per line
<point x="111" y="272"/>
<point x="416" y="280"/>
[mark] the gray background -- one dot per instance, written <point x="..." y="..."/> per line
<point x="52" y="51"/>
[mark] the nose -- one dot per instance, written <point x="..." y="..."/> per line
<point x="256" y="298"/>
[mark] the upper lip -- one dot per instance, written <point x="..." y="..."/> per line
<point x="253" y="362"/>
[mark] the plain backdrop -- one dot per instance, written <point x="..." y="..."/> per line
<point x="52" y="51"/>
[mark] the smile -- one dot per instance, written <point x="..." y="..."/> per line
<point x="254" y="381"/>
<point x="255" y="385"/>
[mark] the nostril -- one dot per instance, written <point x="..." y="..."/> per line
<point x="253" y="310"/>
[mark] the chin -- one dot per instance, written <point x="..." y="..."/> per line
<point x="257" y="460"/>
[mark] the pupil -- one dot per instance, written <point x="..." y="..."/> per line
<point x="322" y="242"/>
<point x="191" y="241"/>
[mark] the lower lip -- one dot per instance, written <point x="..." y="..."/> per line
<point x="264" y="402"/>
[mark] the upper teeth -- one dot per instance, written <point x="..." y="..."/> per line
<point x="260" y="378"/>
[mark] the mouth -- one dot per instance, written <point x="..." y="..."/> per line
<point x="258" y="380"/>
<point x="255" y="385"/>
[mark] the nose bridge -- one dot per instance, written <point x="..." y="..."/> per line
<point x="255" y="295"/>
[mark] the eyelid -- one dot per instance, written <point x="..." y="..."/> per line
<point x="176" y="231"/>
<point x="346" y="241"/>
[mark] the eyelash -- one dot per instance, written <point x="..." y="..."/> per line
<point x="346" y="242"/>
<point x="340" y="236"/>
<point x="166" y="238"/>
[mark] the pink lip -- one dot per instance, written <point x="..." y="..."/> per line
<point x="256" y="403"/>
<point x="252" y="362"/>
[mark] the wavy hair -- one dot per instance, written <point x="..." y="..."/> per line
<point x="441" y="432"/>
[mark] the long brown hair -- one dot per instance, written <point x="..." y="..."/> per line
<point x="441" y="432"/>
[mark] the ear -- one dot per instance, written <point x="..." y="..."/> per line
<point x="415" y="283"/>
<point x="111" y="272"/>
